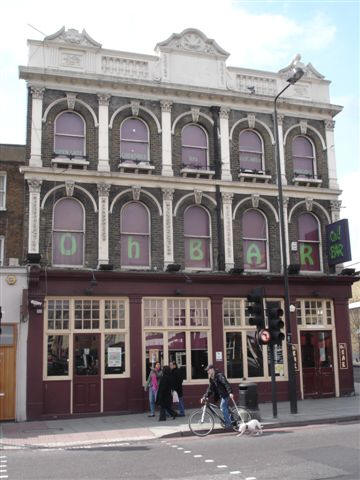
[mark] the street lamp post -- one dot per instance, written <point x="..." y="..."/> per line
<point x="296" y="75"/>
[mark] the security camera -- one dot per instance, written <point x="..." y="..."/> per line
<point x="35" y="303"/>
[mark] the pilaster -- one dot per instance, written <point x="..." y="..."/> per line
<point x="225" y="143"/>
<point x="34" y="215"/>
<point x="103" y="152"/>
<point x="103" y="223"/>
<point x="281" y="149"/>
<point x="228" y="230"/>
<point x="37" y="94"/>
<point x="168" y="195"/>
<point x="166" y="138"/>
<point x="330" y="149"/>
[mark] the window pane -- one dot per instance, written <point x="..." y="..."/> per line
<point x="154" y="350"/>
<point x="303" y="166"/>
<point x="133" y="129"/>
<point x="134" y="218"/>
<point x="153" y="312"/>
<point x="69" y="123"/>
<point x="87" y="314"/>
<point x="193" y="136"/>
<point x="232" y="312"/>
<point x="65" y="145"/>
<point x="309" y="256"/>
<point x="135" y="250"/>
<point x="302" y="147"/>
<point x="197" y="253"/>
<point x="194" y="157"/>
<point x="254" y="225"/>
<point x="250" y="142"/>
<point x="308" y="228"/>
<point x="196" y="222"/>
<point x="199" y="314"/>
<point x="254" y="255"/>
<point x="254" y="356"/>
<point x="177" y="350"/>
<point x="68" y="215"/>
<point x="250" y="161"/>
<point x="308" y="350"/>
<point x="134" y="151"/>
<point x="86" y="355"/>
<point x="114" y="353"/>
<point x="58" y="355"/>
<point x="7" y="336"/>
<point x="68" y="248"/>
<point x="199" y="354"/>
<point x="234" y="356"/>
<point x="176" y="310"/>
<point x="114" y="314"/>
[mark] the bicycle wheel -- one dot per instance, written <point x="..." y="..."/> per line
<point x="200" y="423"/>
<point x="239" y="415"/>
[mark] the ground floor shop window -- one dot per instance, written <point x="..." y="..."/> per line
<point x="314" y="312"/>
<point x="178" y="330"/>
<point x="244" y="357"/>
<point x="86" y="337"/>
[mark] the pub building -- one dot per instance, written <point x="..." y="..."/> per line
<point x="152" y="212"/>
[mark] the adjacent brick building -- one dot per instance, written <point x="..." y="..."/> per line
<point x="153" y="212"/>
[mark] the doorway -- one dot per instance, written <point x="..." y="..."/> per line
<point x="87" y="378"/>
<point x="7" y="372"/>
<point x="317" y="364"/>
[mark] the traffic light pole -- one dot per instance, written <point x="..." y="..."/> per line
<point x="290" y="358"/>
<point x="273" y="380"/>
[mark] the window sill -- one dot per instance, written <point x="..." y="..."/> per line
<point x="254" y="177"/>
<point x="141" y="167"/>
<point x="197" y="173"/>
<point x="73" y="163"/>
<point x="307" y="182"/>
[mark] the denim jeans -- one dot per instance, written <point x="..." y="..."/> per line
<point x="181" y="406"/>
<point x="224" y="407"/>
<point x="152" y="399"/>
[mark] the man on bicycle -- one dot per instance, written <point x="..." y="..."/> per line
<point x="220" y="388"/>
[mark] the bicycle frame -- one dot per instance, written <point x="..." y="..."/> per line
<point x="214" y="409"/>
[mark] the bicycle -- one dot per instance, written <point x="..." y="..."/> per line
<point x="202" y="421"/>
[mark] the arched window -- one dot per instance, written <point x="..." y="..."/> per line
<point x="194" y="148"/>
<point x="309" y="242"/>
<point x="254" y="240"/>
<point x="251" y="150"/>
<point x="197" y="238"/>
<point x="68" y="233"/>
<point x="135" y="235"/>
<point x="69" y="134"/>
<point x="134" y="141"/>
<point x="303" y="157"/>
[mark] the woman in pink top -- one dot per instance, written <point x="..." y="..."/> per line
<point x="153" y="385"/>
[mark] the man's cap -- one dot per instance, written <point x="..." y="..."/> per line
<point x="209" y="366"/>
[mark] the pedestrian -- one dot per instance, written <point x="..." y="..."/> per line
<point x="164" y="395"/>
<point x="221" y="389"/>
<point x="177" y="379"/>
<point x="152" y="385"/>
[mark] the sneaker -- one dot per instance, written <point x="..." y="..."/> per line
<point x="151" y="415"/>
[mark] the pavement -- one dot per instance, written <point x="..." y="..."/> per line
<point x="135" y="427"/>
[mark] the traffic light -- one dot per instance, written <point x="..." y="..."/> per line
<point x="275" y="323"/>
<point x="255" y="310"/>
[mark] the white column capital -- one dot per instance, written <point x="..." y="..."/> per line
<point x="168" y="194"/>
<point x="37" y="92"/>
<point x="329" y="125"/>
<point x="34" y="185"/>
<point x="103" y="189"/>
<point x="227" y="197"/>
<point x="166" y="105"/>
<point x="104" y="99"/>
<point x="224" y="112"/>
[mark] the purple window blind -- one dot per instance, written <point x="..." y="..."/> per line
<point x="309" y="242"/>
<point x="134" y="141"/>
<point x="254" y="240"/>
<point x="250" y="150"/>
<point x="135" y="237"/>
<point x="69" y="134"/>
<point x="197" y="238"/>
<point x="303" y="156"/>
<point x="194" y="147"/>
<point x="68" y="233"/>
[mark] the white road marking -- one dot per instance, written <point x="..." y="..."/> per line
<point x="180" y="448"/>
<point x="209" y="461"/>
<point x="235" y="472"/>
<point x="197" y="456"/>
<point x="250" y="478"/>
<point x="222" y="466"/>
<point x="4" y="476"/>
<point x="187" y="451"/>
<point x="174" y="446"/>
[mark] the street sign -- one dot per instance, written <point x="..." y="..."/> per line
<point x="264" y="336"/>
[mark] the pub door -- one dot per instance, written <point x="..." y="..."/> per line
<point x="87" y="379"/>
<point x="317" y="364"/>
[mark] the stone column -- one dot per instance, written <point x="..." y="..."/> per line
<point x="228" y="230"/>
<point x="282" y="149"/>
<point x="286" y="229"/>
<point x="34" y="215"/>
<point x="36" y="126"/>
<point x="103" y="222"/>
<point x="330" y="150"/>
<point x="103" y="132"/>
<point x="335" y="206"/>
<point x="168" y="195"/>
<point x="225" y="143"/>
<point x="166" y="138"/>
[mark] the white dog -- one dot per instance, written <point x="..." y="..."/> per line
<point x="252" y="427"/>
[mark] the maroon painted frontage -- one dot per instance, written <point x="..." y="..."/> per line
<point x="52" y="398"/>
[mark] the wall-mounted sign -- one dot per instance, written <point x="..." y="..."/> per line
<point x="114" y="357"/>
<point x="343" y="356"/>
<point x="295" y="355"/>
<point x="11" y="279"/>
<point x="219" y="356"/>
<point x="338" y="242"/>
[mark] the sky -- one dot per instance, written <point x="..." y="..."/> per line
<point x="263" y="35"/>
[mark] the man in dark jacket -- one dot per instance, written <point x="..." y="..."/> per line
<point x="178" y="379"/>
<point x="220" y="388"/>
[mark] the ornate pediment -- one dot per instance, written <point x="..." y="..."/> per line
<point x="310" y="71"/>
<point x="192" y="40"/>
<point x="72" y="37"/>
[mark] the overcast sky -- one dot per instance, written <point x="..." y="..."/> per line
<point x="263" y="35"/>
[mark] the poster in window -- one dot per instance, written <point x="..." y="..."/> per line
<point x="154" y="355"/>
<point x="114" y="356"/>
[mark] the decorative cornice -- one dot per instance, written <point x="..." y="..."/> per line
<point x="71" y="99"/>
<point x="103" y="189"/>
<point x="73" y="37"/>
<point x="168" y="194"/>
<point x="335" y="205"/>
<point x="34" y="185"/>
<point x="166" y="105"/>
<point x="69" y="187"/>
<point x="37" y="92"/>
<point x="104" y="99"/>
<point x="136" y="189"/>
